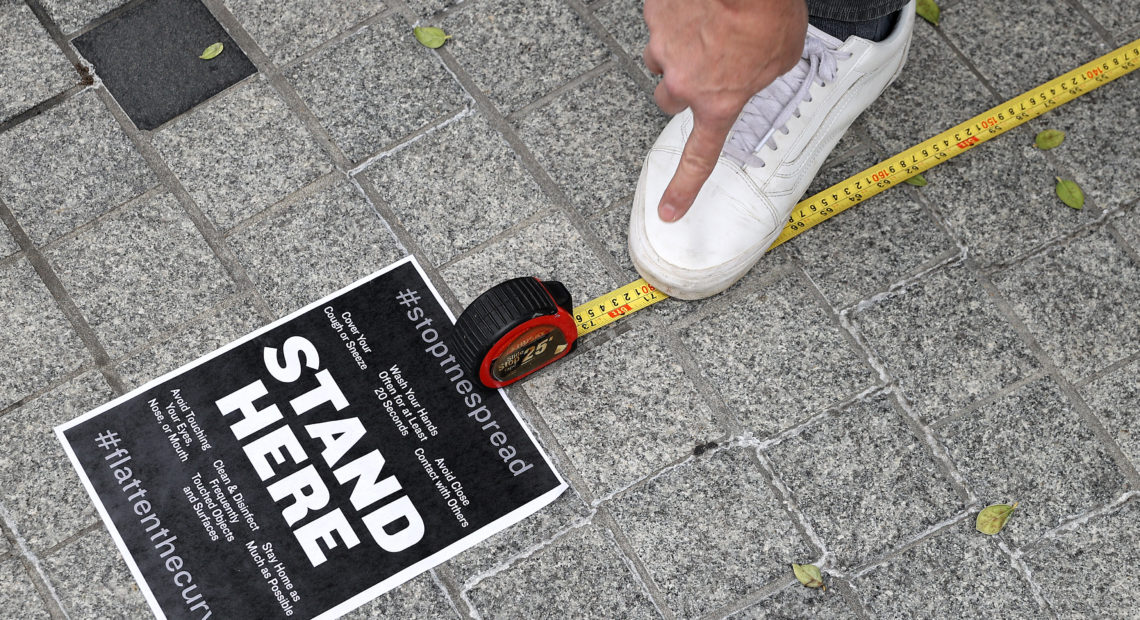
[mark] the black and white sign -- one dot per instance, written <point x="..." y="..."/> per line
<point x="312" y="465"/>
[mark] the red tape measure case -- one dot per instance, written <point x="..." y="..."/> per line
<point x="514" y="329"/>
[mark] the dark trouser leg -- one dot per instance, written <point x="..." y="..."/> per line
<point x="869" y="19"/>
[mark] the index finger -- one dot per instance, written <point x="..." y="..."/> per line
<point x="702" y="150"/>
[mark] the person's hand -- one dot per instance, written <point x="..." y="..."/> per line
<point x="713" y="56"/>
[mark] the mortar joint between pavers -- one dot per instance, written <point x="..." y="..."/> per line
<point x="420" y="134"/>
<point x="1084" y="412"/>
<point x="205" y="227"/>
<point x="630" y="66"/>
<point x="1089" y="17"/>
<point x="42" y="107"/>
<point x="990" y="399"/>
<point x="31" y="561"/>
<point x="62" y="298"/>
<point x="636" y="567"/>
<point x="1075" y="522"/>
<point x="273" y="75"/>
<point x="791" y="507"/>
<point x="113" y="212"/>
<point x="1023" y="570"/>
<point x="556" y="92"/>
<point x="504" y="565"/>
<point x="546" y="437"/>
<point x="527" y="159"/>
<point x="865" y="396"/>
<point x="937" y="450"/>
<point x="908" y="544"/>
<point x="724" y="442"/>
<point x="389" y="12"/>
<point x="1055" y="244"/>
<point x="451" y="590"/>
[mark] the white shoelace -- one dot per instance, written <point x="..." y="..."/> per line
<point x="769" y="110"/>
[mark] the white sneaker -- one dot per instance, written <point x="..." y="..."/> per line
<point x="772" y="153"/>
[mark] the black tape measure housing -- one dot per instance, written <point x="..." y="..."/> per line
<point x="515" y="328"/>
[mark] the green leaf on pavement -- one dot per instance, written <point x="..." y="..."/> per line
<point x="809" y="575"/>
<point x="211" y="51"/>
<point x="1049" y="138"/>
<point x="917" y="180"/>
<point x="1070" y="193"/>
<point x="992" y="518"/>
<point x="430" y="36"/>
<point x="928" y="10"/>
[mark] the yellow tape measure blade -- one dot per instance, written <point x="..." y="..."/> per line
<point x="960" y="138"/>
<point x="602" y="311"/>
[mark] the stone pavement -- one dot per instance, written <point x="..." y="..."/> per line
<point x="853" y="402"/>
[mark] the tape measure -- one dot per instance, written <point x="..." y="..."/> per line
<point x="522" y="325"/>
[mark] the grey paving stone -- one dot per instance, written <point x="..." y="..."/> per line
<point x="457" y="187"/>
<point x="40" y="490"/>
<point x="226" y="324"/>
<point x="593" y="139"/>
<point x="759" y="355"/>
<point x="527" y="252"/>
<point x="853" y="474"/>
<point x="612" y="228"/>
<point x="91" y="579"/>
<point x="1127" y="224"/>
<point x="1032" y="447"/>
<point x="315" y="245"/>
<point x="625" y="21"/>
<point x="957" y="573"/>
<point x="241" y="152"/>
<point x="8" y="245"/>
<point x="518" y="50"/>
<point x="1120" y="18"/>
<point x="1005" y="42"/>
<point x="71" y="15"/>
<point x="710" y="531"/>
<point x="907" y="113"/>
<point x="140" y="272"/>
<point x="38" y="71"/>
<point x="795" y="602"/>
<point x="68" y="166"/>
<point x="1115" y="399"/>
<point x="424" y="8"/>
<point x="18" y="593"/>
<point x="286" y="31"/>
<point x="5" y="546"/>
<point x="498" y="550"/>
<point x="375" y="86"/>
<point x="618" y="428"/>
<point x="38" y="343"/>
<point x="419" y="598"/>
<point x="1080" y="301"/>
<point x="945" y="341"/>
<point x="1102" y="159"/>
<point x="1082" y="572"/>
<point x="581" y="575"/>
<point x="872" y="245"/>
<point x="1001" y="221"/>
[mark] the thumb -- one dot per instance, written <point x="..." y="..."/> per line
<point x="697" y="162"/>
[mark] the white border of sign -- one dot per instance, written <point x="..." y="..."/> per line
<point x="388" y="584"/>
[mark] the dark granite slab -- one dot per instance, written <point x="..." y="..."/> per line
<point x="149" y="59"/>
